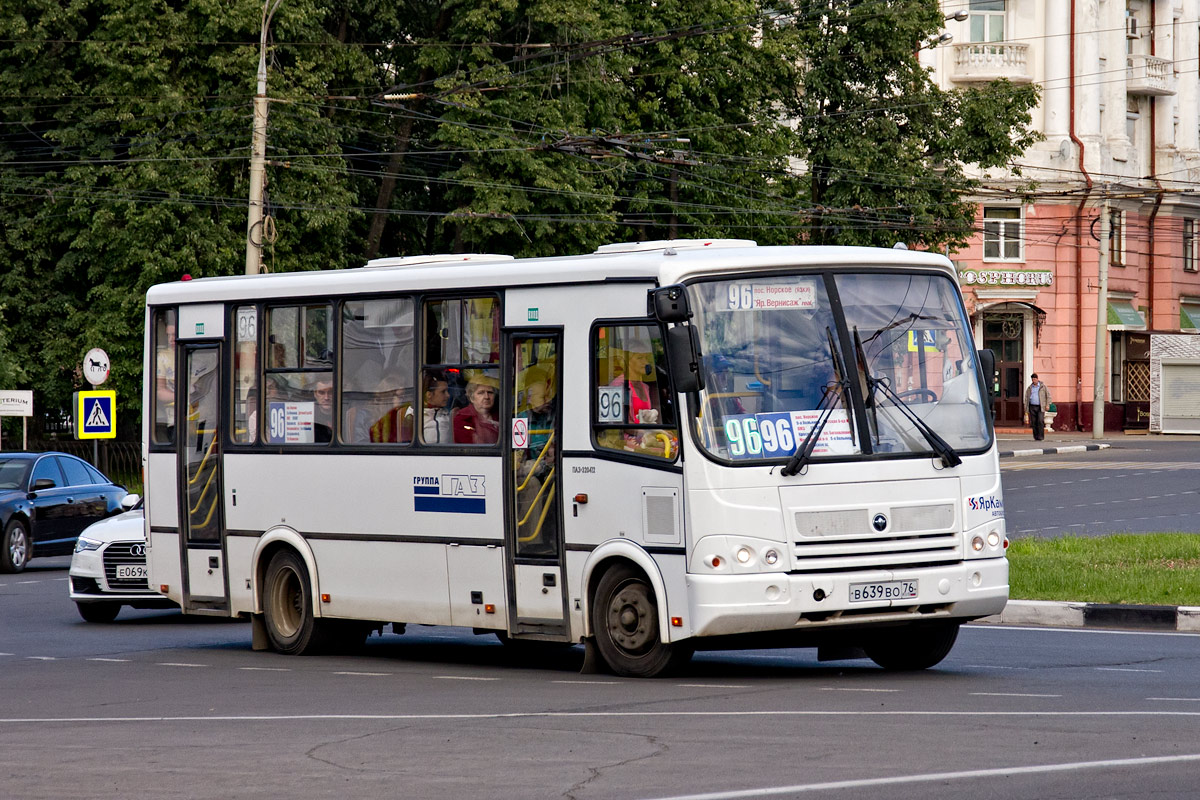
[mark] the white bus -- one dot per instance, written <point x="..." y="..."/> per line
<point x="653" y="448"/>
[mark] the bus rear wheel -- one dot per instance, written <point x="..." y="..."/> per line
<point x="625" y="622"/>
<point x="291" y="625"/>
<point x="912" y="647"/>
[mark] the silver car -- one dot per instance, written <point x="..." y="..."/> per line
<point x="108" y="569"/>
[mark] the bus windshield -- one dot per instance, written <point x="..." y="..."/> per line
<point x="781" y="353"/>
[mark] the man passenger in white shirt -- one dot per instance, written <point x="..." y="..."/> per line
<point x="435" y="416"/>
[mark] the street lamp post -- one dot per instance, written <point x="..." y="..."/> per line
<point x="258" y="151"/>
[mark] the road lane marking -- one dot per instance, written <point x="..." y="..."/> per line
<point x="365" y="674"/>
<point x="1011" y="694"/>
<point x="1124" y="669"/>
<point x="712" y="686"/>
<point x="973" y="713"/>
<point x="937" y="777"/>
<point x="461" y="678"/>
<point x="266" y="669"/>
<point x="179" y="664"/>
<point x="851" y="689"/>
<point x="42" y="658"/>
<point x="590" y="683"/>
<point x="112" y="660"/>
<point x="1177" y="699"/>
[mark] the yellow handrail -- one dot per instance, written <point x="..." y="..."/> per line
<point x="200" y="467"/>
<point x="533" y="469"/>
<point x="542" y="519"/>
<point x="533" y="503"/>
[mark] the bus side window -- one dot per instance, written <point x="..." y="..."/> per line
<point x="244" y="395"/>
<point x="301" y="399"/>
<point x="164" y="377"/>
<point x="633" y="408"/>
<point x="462" y="349"/>
<point x="377" y="371"/>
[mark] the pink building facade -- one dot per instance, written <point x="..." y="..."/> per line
<point x="1120" y="115"/>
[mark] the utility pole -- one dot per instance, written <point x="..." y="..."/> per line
<point x="258" y="151"/>
<point x="1101" y="324"/>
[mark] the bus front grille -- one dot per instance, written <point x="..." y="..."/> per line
<point x="913" y="535"/>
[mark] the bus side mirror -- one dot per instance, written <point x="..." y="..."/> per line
<point x="987" y="365"/>
<point x="670" y="304"/>
<point x="683" y="353"/>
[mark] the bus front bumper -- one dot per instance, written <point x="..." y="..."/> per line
<point x="747" y="603"/>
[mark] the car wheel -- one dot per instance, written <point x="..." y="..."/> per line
<point x="98" y="612"/>
<point x="287" y="608"/>
<point x="913" y="647"/>
<point x="15" y="554"/>
<point x="625" y="622"/>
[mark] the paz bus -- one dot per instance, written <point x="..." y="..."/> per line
<point x="649" y="449"/>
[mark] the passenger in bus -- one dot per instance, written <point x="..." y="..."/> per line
<point x="323" y="413"/>
<point x="164" y="368"/>
<point x="396" y="423"/>
<point x="477" y="423"/>
<point x="435" y="411"/>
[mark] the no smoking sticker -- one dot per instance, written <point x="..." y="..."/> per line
<point x="520" y="434"/>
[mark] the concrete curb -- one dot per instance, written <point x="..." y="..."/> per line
<point x="1049" y="451"/>
<point x="1056" y="614"/>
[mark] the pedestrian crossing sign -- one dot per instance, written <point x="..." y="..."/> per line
<point x="96" y="414"/>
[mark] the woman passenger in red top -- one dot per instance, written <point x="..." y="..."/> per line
<point x="477" y="423"/>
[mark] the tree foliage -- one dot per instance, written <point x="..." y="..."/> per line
<point x="529" y="127"/>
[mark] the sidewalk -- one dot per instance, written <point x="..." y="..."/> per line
<point x="1017" y="443"/>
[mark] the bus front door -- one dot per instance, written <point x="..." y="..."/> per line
<point x="536" y="586"/>
<point x="200" y="480"/>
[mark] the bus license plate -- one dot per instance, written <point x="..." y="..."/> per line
<point x="130" y="571"/>
<point x="889" y="590"/>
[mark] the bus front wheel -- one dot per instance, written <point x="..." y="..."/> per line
<point x="625" y="622"/>
<point x="912" y="647"/>
<point x="287" y="607"/>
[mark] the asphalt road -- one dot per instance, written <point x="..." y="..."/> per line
<point x="1139" y="485"/>
<point x="171" y="707"/>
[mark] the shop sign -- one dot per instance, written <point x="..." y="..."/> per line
<point x="995" y="277"/>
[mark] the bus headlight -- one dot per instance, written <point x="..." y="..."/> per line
<point x="744" y="555"/>
<point x="740" y="554"/>
<point x="977" y="544"/>
<point x="771" y="557"/>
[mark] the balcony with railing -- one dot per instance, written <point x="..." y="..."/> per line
<point x="1148" y="75"/>
<point x="977" y="62"/>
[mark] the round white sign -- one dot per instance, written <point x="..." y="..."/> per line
<point x="95" y="366"/>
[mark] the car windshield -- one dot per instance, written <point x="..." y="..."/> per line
<point x="14" y="472"/>
<point x="775" y="365"/>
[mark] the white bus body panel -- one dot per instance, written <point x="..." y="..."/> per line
<point x="358" y="518"/>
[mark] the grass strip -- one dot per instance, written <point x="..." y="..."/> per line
<point x="1143" y="569"/>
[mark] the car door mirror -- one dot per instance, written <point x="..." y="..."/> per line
<point x="130" y="500"/>
<point x="43" y="483"/>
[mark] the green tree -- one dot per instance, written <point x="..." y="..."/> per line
<point x="885" y="147"/>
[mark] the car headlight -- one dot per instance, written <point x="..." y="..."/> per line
<point x="87" y="544"/>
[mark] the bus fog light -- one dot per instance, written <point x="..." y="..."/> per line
<point x="993" y="539"/>
<point x="743" y="555"/>
<point x="771" y="557"/>
<point x="976" y="578"/>
<point x="977" y="544"/>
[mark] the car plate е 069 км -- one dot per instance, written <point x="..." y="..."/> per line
<point x="884" y="590"/>
<point x="131" y="571"/>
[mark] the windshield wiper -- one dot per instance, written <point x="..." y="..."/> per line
<point x="940" y="446"/>
<point x="832" y="392"/>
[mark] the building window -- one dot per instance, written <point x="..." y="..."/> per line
<point x="1116" y="238"/>
<point x="1191" y="254"/>
<point x="1002" y="234"/>
<point x="987" y="20"/>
